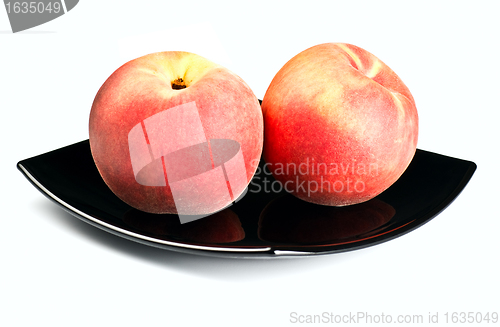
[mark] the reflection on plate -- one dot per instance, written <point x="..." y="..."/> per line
<point x="293" y="221"/>
<point x="261" y="224"/>
<point x="221" y="227"/>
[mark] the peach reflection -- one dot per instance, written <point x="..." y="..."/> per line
<point x="221" y="227"/>
<point x="290" y="220"/>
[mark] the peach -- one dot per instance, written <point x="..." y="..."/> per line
<point x="340" y="126"/>
<point x="172" y="132"/>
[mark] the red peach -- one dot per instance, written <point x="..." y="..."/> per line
<point x="340" y="125"/>
<point x="166" y="124"/>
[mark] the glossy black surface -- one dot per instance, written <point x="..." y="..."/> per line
<point x="260" y="224"/>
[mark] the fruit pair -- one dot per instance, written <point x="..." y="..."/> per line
<point x="173" y="132"/>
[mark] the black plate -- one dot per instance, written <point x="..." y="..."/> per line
<point x="261" y="224"/>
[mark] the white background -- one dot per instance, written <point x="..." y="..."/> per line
<point x="59" y="271"/>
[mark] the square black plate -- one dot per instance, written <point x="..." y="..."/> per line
<point x="261" y="224"/>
